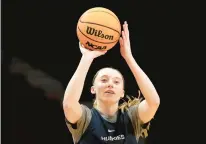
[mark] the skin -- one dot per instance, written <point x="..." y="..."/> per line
<point x="108" y="79"/>
<point x="107" y="103"/>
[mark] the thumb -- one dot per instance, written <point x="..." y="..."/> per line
<point x="103" y="52"/>
<point x="121" y="42"/>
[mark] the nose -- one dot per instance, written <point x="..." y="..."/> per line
<point x="110" y="84"/>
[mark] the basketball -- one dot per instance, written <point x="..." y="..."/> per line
<point x="98" y="29"/>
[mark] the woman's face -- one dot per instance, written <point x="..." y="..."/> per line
<point x="108" y="86"/>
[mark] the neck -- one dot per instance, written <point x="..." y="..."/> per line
<point x="106" y="109"/>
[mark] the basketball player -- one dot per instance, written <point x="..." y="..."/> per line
<point x="107" y="121"/>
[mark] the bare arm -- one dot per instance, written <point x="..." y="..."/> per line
<point x="71" y="105"/>
<point x="148" y="107"/>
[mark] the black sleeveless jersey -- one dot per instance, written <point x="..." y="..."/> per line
<point x="100" y="131"/>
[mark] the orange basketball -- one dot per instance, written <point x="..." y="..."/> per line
<point x="98" y="29"/>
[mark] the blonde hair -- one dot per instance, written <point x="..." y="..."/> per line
<point x="125" y="106"/>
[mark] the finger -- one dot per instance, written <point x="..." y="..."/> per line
<point x="81" y="45"/>
<point x="123" y="36"/>
<point x="126" y="30"/>
<point x="104" y="52"/>
<point x="121" y="42"/>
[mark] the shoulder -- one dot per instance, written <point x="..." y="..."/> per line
<point x="130" y="108"/>
<point x="140" y="128"/>
<point x="82" y="124"/>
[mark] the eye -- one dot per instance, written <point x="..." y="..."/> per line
<point x="116" y="82"/>
<point x="104" y="80"/>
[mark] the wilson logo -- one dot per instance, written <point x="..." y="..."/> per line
<point x="98" y="33"/>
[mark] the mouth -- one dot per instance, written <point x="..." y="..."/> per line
<point x="110" y="92"/>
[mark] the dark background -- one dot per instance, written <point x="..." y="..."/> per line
<point x="42" y="33"/>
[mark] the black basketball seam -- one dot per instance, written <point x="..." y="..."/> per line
<point x="100" y="25"/>
<point x="105" y="12"/>
<point x="95" y="40"/>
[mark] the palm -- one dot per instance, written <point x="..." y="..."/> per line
<point x="91" y="53"/>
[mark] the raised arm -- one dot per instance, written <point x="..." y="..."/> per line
<point x="148" y="107"/>
<point x="71" y="105"/>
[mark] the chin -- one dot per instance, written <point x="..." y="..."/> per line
<point x="110" y="101"/>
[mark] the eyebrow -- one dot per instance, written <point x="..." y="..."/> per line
<point x="108" y="76"/>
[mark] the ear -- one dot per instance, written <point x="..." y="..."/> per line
<point x="122" y="93"/>
<point x="92" y="90"/>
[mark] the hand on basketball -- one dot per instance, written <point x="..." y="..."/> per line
<point x="90" y="53"/>
<point x="125" y="47"/>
